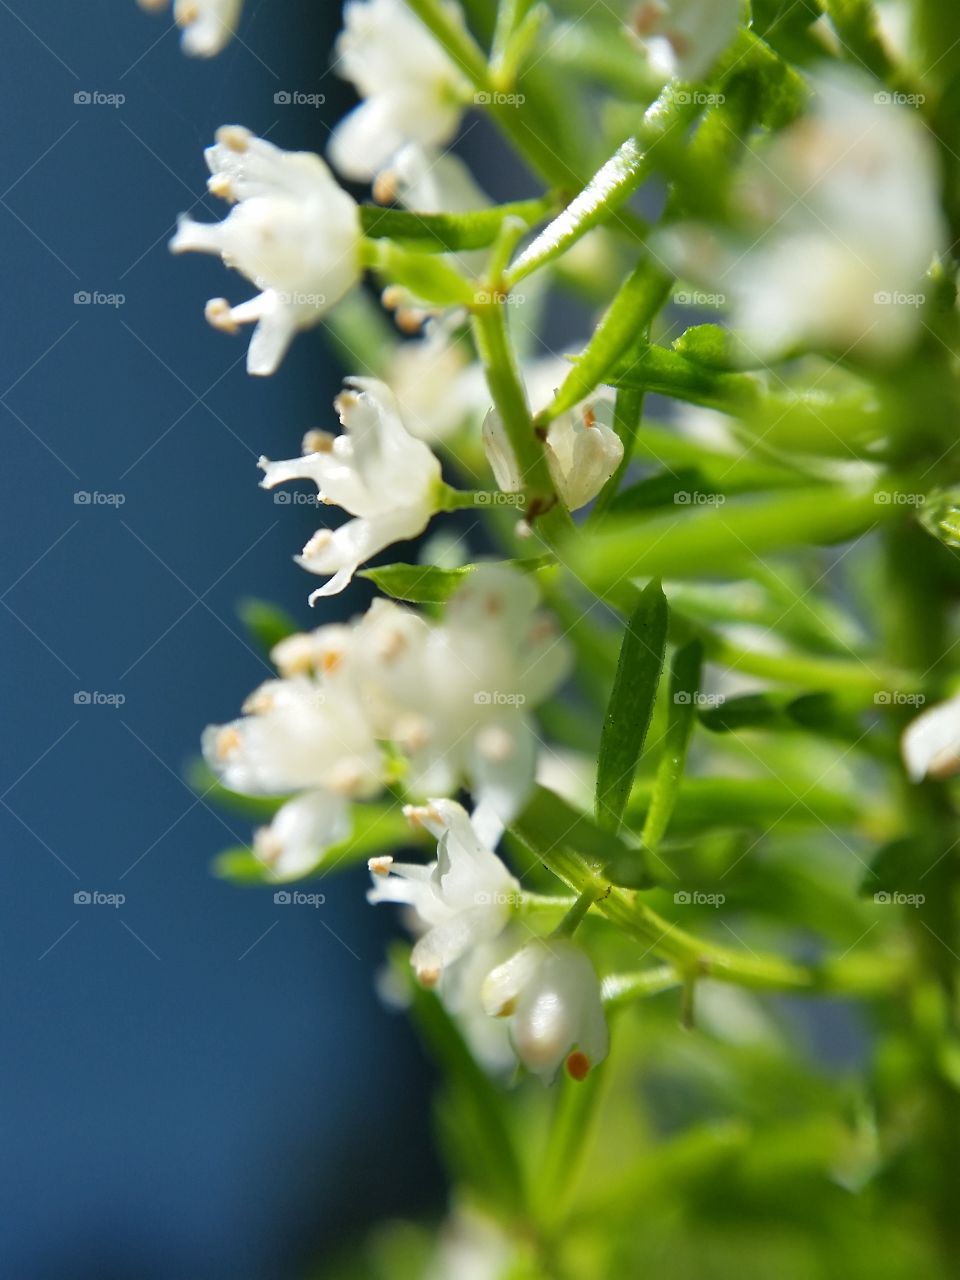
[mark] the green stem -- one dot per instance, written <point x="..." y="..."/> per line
<point x="509" y="397"/>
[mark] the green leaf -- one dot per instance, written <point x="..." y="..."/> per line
<point x="639" y="299"/>
<point x="419" y="583"/>
<point x="668" y="373"/>
<point x="748" y="711"/>
<point x="610" y="186"/>
<point x="427" y="584"/>
<point x="631" y="703"/>
<point x="728" y="803"/>
<point x="660" y="490"/>
<point x="710" y="345"/>
<point x="685" y="675"/>
<point x="728" y="538"/>
<point x="267" y="623"/>
<point x="447" y="232"/>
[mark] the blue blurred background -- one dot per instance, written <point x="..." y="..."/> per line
<point x="198" y="1083"/>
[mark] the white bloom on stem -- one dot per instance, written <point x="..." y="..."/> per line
<point x="207" y="24"/>
<point x="931" y="743"/>
<point x="299" y="735"/>
<point x="582" y="451"/>
<point x="550" y="992"/>
<point x="293" y="231"/>
<point x="849" y="208"/>
<point x="494" y="656"/>
<point x="375" y="469"/>
<point x="411" y="90"/>
<point x="684" y="37"/>
<point x="461" y="900"/>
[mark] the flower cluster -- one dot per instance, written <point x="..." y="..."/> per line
<point x="453" y="698"/>
<point x="546" y="991"/>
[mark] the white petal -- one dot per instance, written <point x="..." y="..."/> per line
<point x="931" y="743"/>
<point x="301" y="831"/>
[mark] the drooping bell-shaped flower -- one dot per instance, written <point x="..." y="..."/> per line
<point x="375" y="469"/>
<point x="931" y="743"/>
<point x="582" y="451"/>
<point x="207" y="24"/>
<point x="411" y="90"/>
<point x="293" y="231"/>
<point x="461" y="900"/>
<point x="683" y="38"/>
<point x="551" y="995"/>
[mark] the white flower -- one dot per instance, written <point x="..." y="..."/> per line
<point x="463" y="899"/>
<point x="292" y="231"/>
<point x="931" y="743"/>
<point x="848" y="201"/>
<point x="207" y="24"/>
<point x="300" y="735"/>
<point x="430" y="182"/>
<point x="411" y="90"/>
<point x="375" y="469"/>
<point x="493" y="656"/>
<point x="582" y="451"/>
<point x="684" y="37"/>
<point x="551" y="994"/>
<point x="451" y="697"/>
